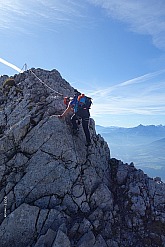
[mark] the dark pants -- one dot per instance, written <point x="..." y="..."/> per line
<point x="84" y="115"/>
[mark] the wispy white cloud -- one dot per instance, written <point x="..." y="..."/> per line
<point x="138" y="80"/>
<point x="142" y="16"/>
<point x="141" y="95"/>
<point x="13" y="14"/>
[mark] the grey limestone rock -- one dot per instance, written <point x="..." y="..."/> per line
<point x="47" y="239"/>
<point x="19" y="228"/>
<point x="87" y="240"/>
<point x="61" y="240"/>
<point x="55" y="191"/>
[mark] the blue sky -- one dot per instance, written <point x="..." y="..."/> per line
<point x="113" y="50"/>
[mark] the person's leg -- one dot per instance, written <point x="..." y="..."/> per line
<point x="84" y="114"/>
<point x="85" y="124"/>
<point x="74" y="122"/>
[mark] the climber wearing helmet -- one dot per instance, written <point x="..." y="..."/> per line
<point x="79" y="113"/>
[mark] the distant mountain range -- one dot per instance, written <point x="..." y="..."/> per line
<point x="142" y="145"/>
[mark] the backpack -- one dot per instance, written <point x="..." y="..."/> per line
<point x="84" y="102"/>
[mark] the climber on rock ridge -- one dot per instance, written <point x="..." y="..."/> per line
<point x="79" y="105"/>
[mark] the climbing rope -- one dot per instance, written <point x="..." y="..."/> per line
<point x="45" y="84"/>
<point x="25" y="65"/>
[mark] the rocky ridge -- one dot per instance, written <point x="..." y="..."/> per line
<point x="56" y="192"/>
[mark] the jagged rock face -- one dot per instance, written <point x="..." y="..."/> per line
<point x="57" y="191"/>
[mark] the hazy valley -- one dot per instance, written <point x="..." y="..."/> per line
<point x="142" y="145"/>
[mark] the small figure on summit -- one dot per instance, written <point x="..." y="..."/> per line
<point x="80" y="105"/>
